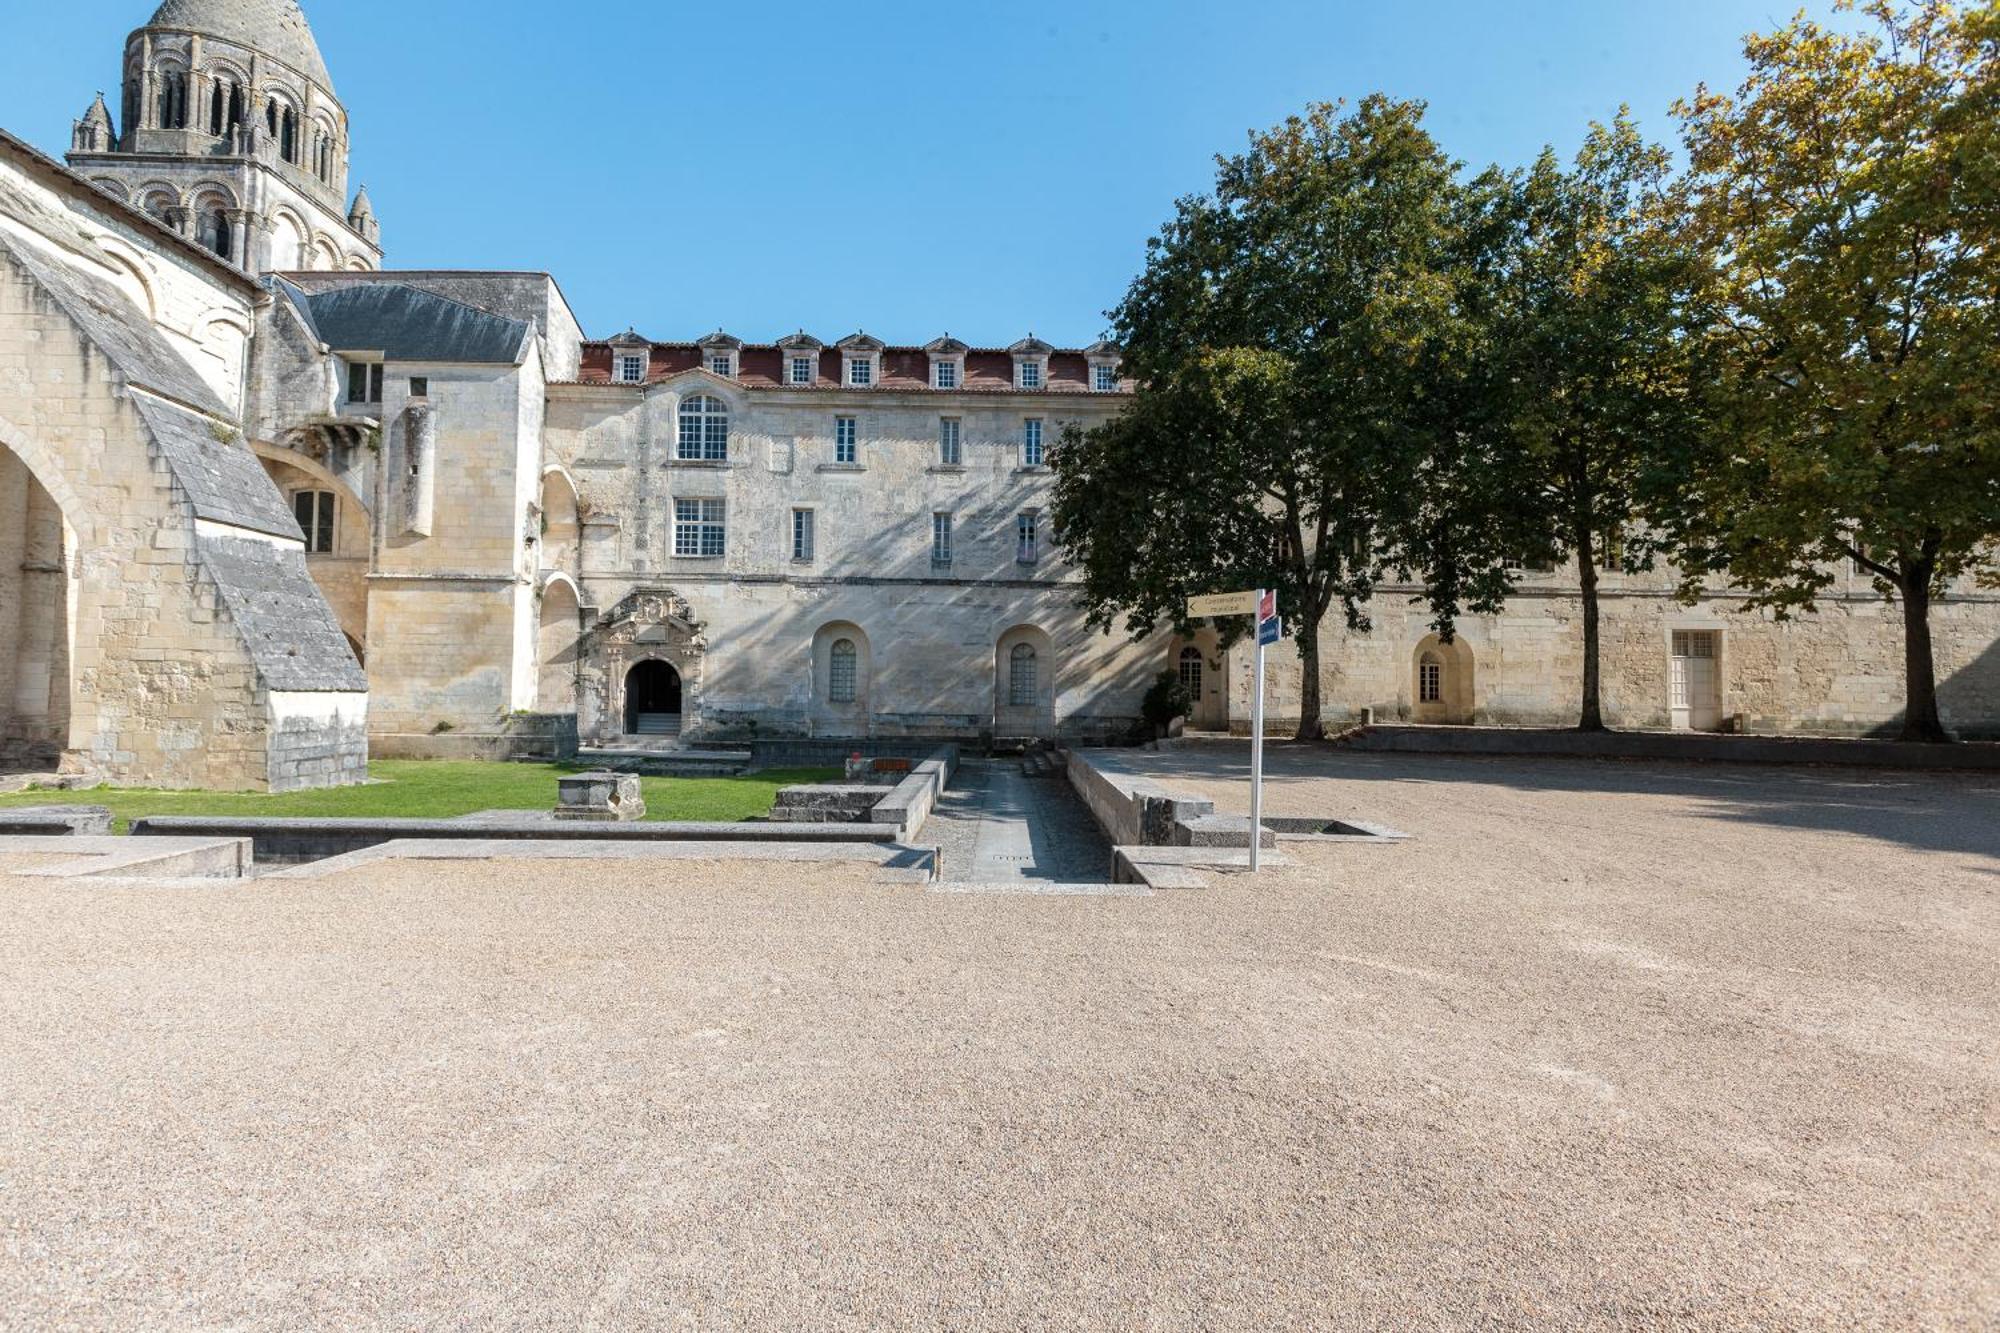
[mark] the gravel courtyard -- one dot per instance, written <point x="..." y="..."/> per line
<point x="1606" y="1046"/>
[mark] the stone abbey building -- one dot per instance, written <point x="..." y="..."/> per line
<point x="265" y="508"/>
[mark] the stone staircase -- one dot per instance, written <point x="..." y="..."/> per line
<point x="659" y="724"/>
<point x="1042" y="761"/>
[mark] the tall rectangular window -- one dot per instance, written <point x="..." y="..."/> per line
<point x="950" y="453"/>
<point x="802" y="370"/>
<point x="699" y="527"/>
<point x="940" y="539"/>
<point x="861" y="371"/>
<point x="1028" y="537"/>
<point x="364" y="382"/>
<point x="947" y="375"/>
<point x="314" y="511"/>
<point x="631" y="369"/>
<point x="1031" y="442"/>
<point x="1031" y="374"/>
<point x="846" y="440"/>
<point x="802" y="535"/>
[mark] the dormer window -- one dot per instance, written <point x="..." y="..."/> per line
<point x="801" y="359"/>
<point x="1104" y="361"/>
<point x="1031" y="363"/>
<point x="718" y="354"/>
<point x="947" y="362"/>
<point x="861" y="361"/>
<point x="631" y="368"/>
<point x="801" y="371"/>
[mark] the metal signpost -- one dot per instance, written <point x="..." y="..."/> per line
<point x="1264" y="606"/>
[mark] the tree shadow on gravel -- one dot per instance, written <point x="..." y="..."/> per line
<point x="1940" y="812"/>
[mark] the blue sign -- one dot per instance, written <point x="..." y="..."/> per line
<point x="1270" y="631"/>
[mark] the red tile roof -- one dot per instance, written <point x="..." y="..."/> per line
<point x="902" y="369"/>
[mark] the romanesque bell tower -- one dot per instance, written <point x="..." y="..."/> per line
<point x="228" y="131"/>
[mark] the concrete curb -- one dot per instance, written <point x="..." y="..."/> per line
<point x="1976" y="756"/>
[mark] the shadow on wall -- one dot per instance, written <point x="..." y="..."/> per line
<point x="1970" y="697"/>
<point x="1921" y="811"/>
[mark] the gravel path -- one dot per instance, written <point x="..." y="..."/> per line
<point x="1603" y="1048"/>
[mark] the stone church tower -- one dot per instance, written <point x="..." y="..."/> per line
<point x="232" y="136"/>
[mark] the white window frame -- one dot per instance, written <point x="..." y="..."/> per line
<point x="1034" y="446"/>
<point x="1430" y="679"/>
<point x="1028" y="537"/>
<point x="696" y="440"/>
<point x="862" y="371"/>
<point x="371" y="374"/>
<point x="722" y="364"/>
<point x="941" y="543"/>
<point x="701" y="527"/>
<point x="951" y="442"/>
<point x="794" y="362"/>
<point x="847" y="441"/>
<point x="805" y="540"/>
<point x="946" y="369"/>
<point x="1031" y="373"/>
<point x="630" y="368"/>
<point x="1100" y="372"/>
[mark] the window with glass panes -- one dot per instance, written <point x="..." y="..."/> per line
<point x="1028" y="537"/>
<point x="947" y="374"/>
<point x="950" y="452"/>
<point x="1031" y="442"/>
<point x="940" y="539"/>
<point x="364" y="382"/>
<point x="704" y="429"/>
<point x="1104" y="379"/>
<point x="315" y="512"/>
<point x="841" y="672"/>
<point x="861" y="371"/>
<point x="846" y="435"/>
<point x="700" y="528"/>
<point x="1031" y="374"/>
<point x="802" y="534"/>
<point x="802" y="370"/>
<point x="631" y="369"/>
<point x="719" y="364"/>
<point x="1022" y="673"/>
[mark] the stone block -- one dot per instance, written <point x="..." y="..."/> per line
<point x="605" y="798"/>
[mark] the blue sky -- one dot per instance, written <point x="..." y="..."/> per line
<point x="987" y="170"/>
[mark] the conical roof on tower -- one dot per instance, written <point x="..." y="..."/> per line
<point x="278" y="28"/>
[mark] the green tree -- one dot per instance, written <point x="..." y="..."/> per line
<point x="1294" y="335"/>
<point x="1846" y="195"/>
<point x="1592" y="373"/>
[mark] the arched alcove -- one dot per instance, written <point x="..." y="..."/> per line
<point x="1024" y="684"/>
<point x="843" y="670"/>
<point x="560" y="629"/>
<point x="653" y="699"/>
<point x="1441" y="681"/>
<point x="37" y="619"/>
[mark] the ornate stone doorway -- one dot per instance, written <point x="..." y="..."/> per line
<point x="652" y="700"/>
<point x="642" y="663"/>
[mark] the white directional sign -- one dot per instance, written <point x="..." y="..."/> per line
<point x="1224" y="604"/>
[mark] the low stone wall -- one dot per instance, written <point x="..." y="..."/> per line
<point x="788" y="752"/>
<point x="60" y="821"/>
<point x="1701" y="746"/>
<point x="908" y="806"/>
<point x="545" y="737"/>
<point x="1133" y="811"/>
<point x="289" y="841"/>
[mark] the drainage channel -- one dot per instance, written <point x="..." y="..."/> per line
<point x="996" y="826"/>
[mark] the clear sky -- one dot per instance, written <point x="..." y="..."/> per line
<point x="911" y="169"/>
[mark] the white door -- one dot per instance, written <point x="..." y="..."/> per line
<point x="1697" y="686"/>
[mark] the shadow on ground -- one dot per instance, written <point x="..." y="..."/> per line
<point x="1944" y="812"/>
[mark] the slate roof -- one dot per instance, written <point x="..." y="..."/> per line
<point x="405" y="324"/>
<point x="285" y="623"/>
<point x="278" y="28"/>
<point x="223" y="479"/>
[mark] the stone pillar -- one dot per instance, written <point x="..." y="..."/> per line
<point x="242" y="241"/>
<point x="419" y="479"/>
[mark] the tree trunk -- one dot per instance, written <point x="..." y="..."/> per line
<point x="1920" y="707"/>
<point x="1592" y="718"/>
<point x="1310" y="728"/>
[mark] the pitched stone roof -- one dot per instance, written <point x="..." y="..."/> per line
<point x="277" y="28"/>
<point x="285" y="623"/>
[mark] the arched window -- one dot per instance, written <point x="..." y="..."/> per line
<point x="173" y="101"/>
<point x="216" y="233"/>
<point x="1022" y="674"/>
<point x="159" y="205"/>
<point x="840" y="672"/>
<point x="1191" y="670"/>
<point x="288" y="136"/>
<point x="704" y="429"/>
<point x="1430" y="679"/>
<point x="271" y="115"/>
<point x="218" y="108"/>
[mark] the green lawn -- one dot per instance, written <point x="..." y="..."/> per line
<point x="439" y="789"/>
